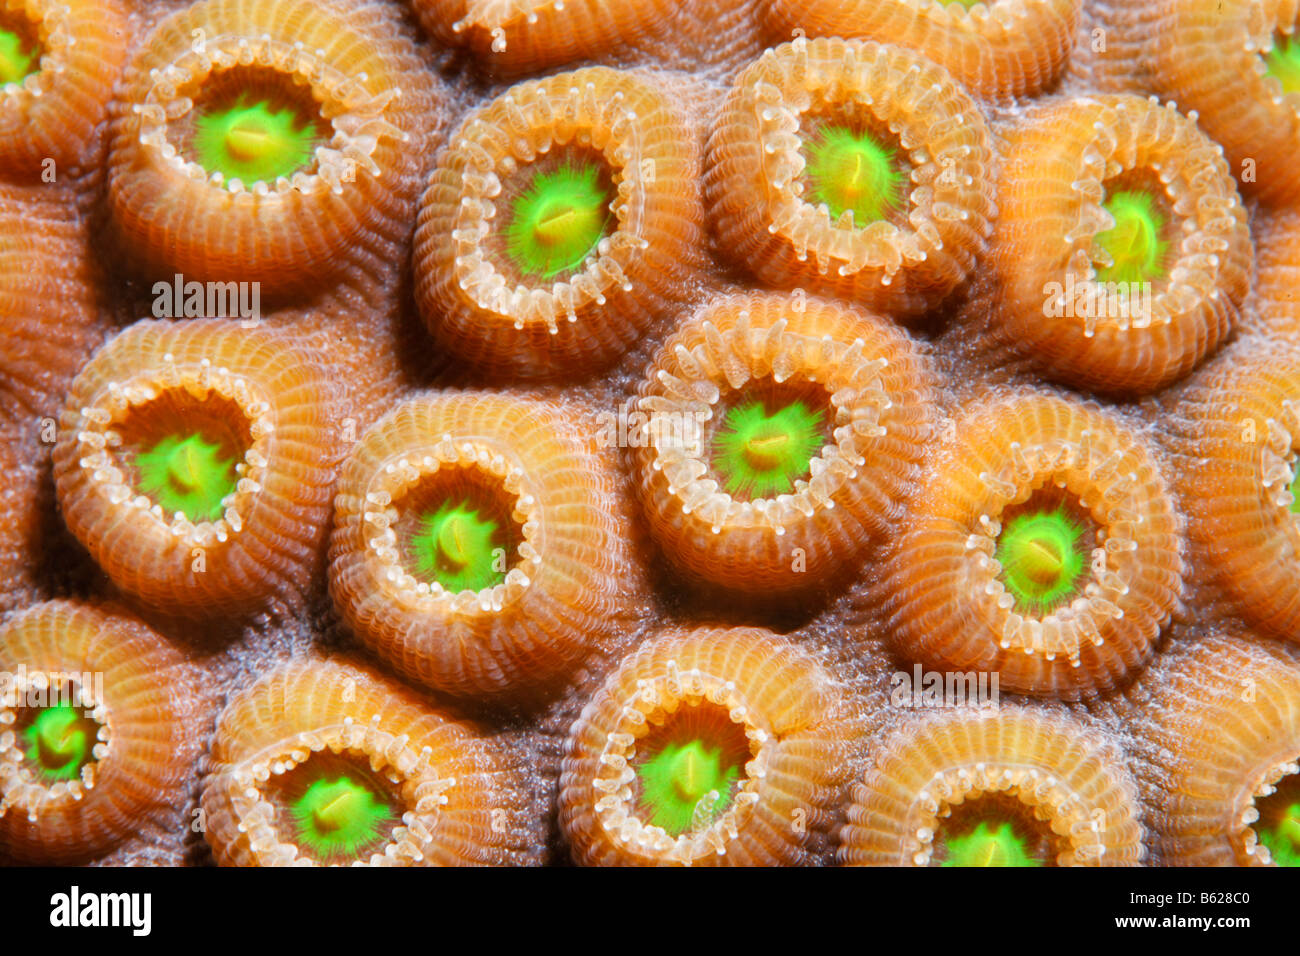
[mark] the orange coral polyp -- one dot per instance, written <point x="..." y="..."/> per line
<point x="271" y="398"/>
<point x="48" y="118"/>
<point x="772" y="691"/>
<point x="564" y="583"/>
<point x="173" y="215"/>
<point x="1238" y="430"/>
<point x="1221" y="730"/>
<point x="1215" y="62"/>
<point x="768" y="215"/>
<point x="1068" y="780"/>
<point x="460" y="796"/>
<point x="948" y="596"/>
<point x="868" y="380"/>
<point x="477" y="302"/>
<point x="133" y="686"/>
<point x="1063" y="161"/>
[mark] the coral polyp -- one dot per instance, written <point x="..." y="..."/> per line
<point x="59" y="60"/>
<point x="476" y="545"/>
<point x="264" y="142"/>
<point x="1221" y="734"/>
<point x="1044" y="546"/>
<point x="325" y="763"/>
<point x="194" y="462"/>
<point x="1002" y="787"/>
<point x="711" y="747"/>
<point x="1238" y="432"/>
<point x="998" y="48"/>
<point x="99" y="731"/>
<point x="852" y="169"/>
<point x="780" y="433"/>
<point x="564" y="218"/>
<point x="1122" y="244"/>
<point x="1234" y="63"/>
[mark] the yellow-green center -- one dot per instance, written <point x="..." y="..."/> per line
<point x="1283" y="837"/>
<point x="460" y="548"/>
<point x="687" y="784"/>
<point x="1135" y="245"/>
<point x="1283" y="62"/>
<point x="19" y="57"/>
<point x="759" y="451"/>
<point x="337" y="817"/>
<point x="989" y="844"/>
<point x="254" y="140"/>
<point x="558" y="221"/>
<point x="188" y="474"/>
<point x="60" y="741"/>
<point x="1041" y="558"/>
<point x="850" y="171"/>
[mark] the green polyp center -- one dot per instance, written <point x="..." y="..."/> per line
<point x="687" y="783"/>
<point x="853" y="171"/>
<point x="1135" y="244"/>
<point x="253" y="140"/>
<point x="60" y="742"/>
<point x="558" y="220"/>
<point x="1294" y="488"/>
<point x="760" y="451"/>
<point x="336" y="817"/>
<point x="1041" y="558"/>
<point x="187" y="474"/>
<point x="19" y="57"/>
<point x="1283" y="62"/>
<point x="1283" y="837"/>
<point x="460" y="548"/>
<point x="989" y="844"/>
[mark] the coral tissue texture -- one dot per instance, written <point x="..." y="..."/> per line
<point x="648" y="433"/>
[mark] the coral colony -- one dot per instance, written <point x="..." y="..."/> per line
<point x="637" y="432"/>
